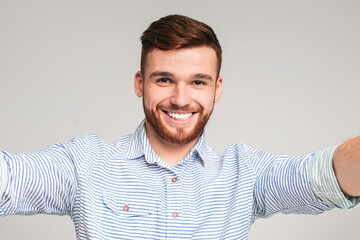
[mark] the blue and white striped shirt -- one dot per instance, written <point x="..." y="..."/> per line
<point x="125" y="190"/>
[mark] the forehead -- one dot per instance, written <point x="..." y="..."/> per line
<point x="182" y="61"/>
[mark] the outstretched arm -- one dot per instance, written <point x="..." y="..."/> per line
<point x="346" y="164"/>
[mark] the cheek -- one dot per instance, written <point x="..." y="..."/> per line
<point x="148" y="101"/>
<point x="205" y="99"/>
<point x="152" y="98"/>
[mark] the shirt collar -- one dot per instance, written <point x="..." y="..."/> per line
<point x="140" y="146"/>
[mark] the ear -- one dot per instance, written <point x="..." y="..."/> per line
<point x="138" y="84"/>
<point x="218" y="88"/>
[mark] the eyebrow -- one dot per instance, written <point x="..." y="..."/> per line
<point x="203" y="76"/>
<point x="161" y="74"/>
<point x="168" y="74"/>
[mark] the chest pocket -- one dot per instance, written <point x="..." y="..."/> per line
<point x="130" y="203"/>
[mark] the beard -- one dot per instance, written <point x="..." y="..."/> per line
<point x="181" y="135"/>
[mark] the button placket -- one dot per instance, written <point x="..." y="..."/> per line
<point x="174" y="202"/>
<point x="174" y="205"/>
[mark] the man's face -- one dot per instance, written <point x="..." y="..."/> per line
<point x="179" y="89"/>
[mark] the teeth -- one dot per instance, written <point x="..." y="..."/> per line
<point x="179" y="116"/>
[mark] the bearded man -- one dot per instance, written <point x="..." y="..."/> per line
<point x="164" y="181"/>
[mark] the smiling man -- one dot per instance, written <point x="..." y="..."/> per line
<point x="164" y="181"/>
<point x="179" y="88"/>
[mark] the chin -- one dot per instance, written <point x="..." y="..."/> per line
<point x="171" y="131"/>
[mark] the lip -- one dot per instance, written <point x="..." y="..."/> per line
<point x="177" y="111"/>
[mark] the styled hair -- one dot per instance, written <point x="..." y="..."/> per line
<point x="176" y="32"/>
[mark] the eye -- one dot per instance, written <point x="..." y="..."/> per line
<point x="164" y="80"/>
<point x="198" y="82"/>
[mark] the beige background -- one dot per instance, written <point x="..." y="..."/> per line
<point x="291" y="77"/>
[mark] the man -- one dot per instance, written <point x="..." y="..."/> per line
<point x="164" y="181"/>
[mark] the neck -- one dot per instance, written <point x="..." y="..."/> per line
<point x="171" y="153"/>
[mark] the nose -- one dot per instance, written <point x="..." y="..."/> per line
<point x="180" y="96"/>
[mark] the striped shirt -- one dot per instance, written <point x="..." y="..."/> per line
<point x="125" y="190"/>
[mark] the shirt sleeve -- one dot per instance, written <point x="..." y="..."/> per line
<point x="282" y="185"/>
<point x="40" y="181"/>
<point x="323" y="181"/>
<point x="3" y="174"/>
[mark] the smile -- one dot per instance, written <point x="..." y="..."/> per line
<point x="178" y="116"/>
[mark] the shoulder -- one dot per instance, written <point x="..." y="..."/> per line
<point x="123" y="142"/>
<point x="240" y="151"/>
<point x="84" y="142"/>
<point x="239" y="155"/>
<point x="246" y="156"/>
<point x="93" y="144"/>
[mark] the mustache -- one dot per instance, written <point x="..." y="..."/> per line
<point x="175" y="107"/>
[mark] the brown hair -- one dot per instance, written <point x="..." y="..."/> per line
<point x="176" y="32"/>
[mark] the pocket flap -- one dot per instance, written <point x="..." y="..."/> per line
<point x="130" y="203"/>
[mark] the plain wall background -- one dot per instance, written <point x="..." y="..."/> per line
<point x="291" y="85"/>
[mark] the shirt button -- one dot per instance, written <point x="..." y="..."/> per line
<point x="174" y="179"/>
<point x="126" y="208"/>
<point x="175" y="214"/>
